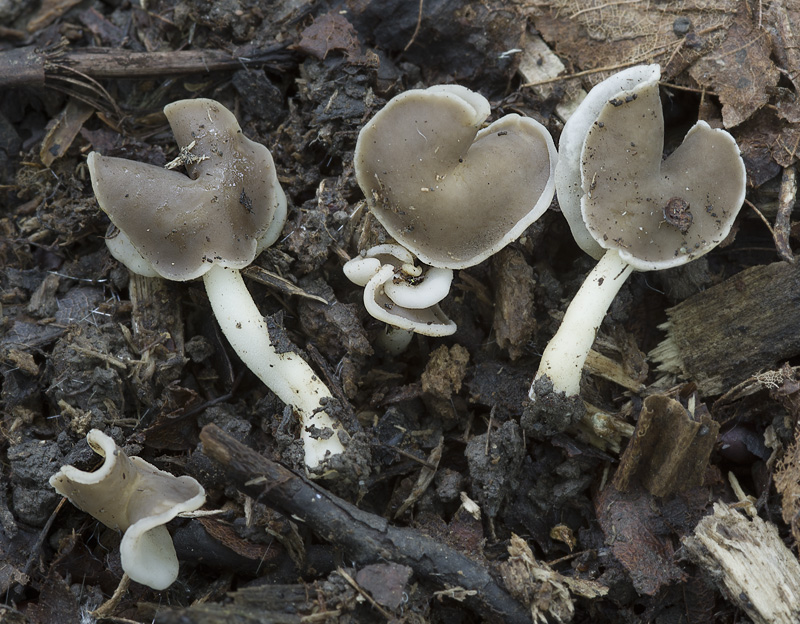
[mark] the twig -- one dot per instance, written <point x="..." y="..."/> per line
<point x="701" y="90"/>
<point x="783" y="221"/>
<point x="35" y="550"/>
<point x="33" y="67"/>
<point x="760" y="216"/>
<point x="580" y="74"/>
<point x="352" y="582"/>
<point x="602" y="6"/>
<point x="364" y="537"/>
<point x="108" y="607"/>
<point x="416" y="30"/>
<point x="423" y="462"/>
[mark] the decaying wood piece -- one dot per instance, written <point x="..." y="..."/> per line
<point x="155" y="309"/>
<point x="670" y="447"/>
<point x="32" y="67"/>
<point x="538" y="585"/>
<point x="603" y="430"/>
<point x="749" y="563"/>
<point x="538" y="62"/>
<point x="783" y="220"/>
<point x="514" y="317"/>
<point x="607" y="368"/>
<point x="276" y="604"/>
<point x="639" y="538"/>
<point x="787" y="477"/>
<point x="364" y="537"/>
<point x="723" y="335"/>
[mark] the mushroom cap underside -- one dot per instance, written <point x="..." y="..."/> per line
<point x="450" y="193"/>
<point x="397" y="298"/>
<point x="181" y="224"/>
<point x="131" y="495"/>
<point x="571" y="141"/>
<point x="657" y="213"/>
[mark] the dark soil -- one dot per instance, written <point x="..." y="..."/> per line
<point x="444" y="446"/>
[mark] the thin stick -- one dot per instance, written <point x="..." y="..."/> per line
<point x="416" y="30"/>
<point x="585" y="72"/>
<point x="341" y="572"/>
<point x="602" y="6"/>
<point x="761" y="216"/>
<point x="362" y="536"/>
<point x="700" y="90"/>
<point x="783" y="220"/>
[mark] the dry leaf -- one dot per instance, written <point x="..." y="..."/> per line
<point x="740" y="70"/>
<point x="63" y="130"/>
<point x="329" y="32"/>
<point x="674" y="34"/>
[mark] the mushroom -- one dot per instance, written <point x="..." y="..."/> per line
<point x="631" y="210"/>
<point x="130" y="495"/>
<point x="446" y="190"/>
<point x="211" y="223"/>
<point x="401" y="293"/>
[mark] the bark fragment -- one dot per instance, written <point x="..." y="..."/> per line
<point x="723" y="335"/>
<point x="749" y="563"/>
<point x="670" y="447"/>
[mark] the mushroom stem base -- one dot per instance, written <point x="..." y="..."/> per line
<point x="286" y="374"/>
<point x="565" y="355"/>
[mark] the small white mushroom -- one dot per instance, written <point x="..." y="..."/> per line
<point x="631" y="210"/>
<point x="401" y="293"/>
<point x="130" y="495"/>
<point x="210" y="224"/>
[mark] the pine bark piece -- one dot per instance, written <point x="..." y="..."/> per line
<point x="514" y="314"/>
<point x="639" y="538"/>
<point x="669" y="449"/>
<point x="749" y="563"/>
<point x="723" y="335"/>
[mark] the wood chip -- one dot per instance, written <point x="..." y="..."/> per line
<point x="749" y="563"/>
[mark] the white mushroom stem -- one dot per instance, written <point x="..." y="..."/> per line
<point x="566" y="353"/>
<point x="394" y="340"/>
<point x="286" y="374"/>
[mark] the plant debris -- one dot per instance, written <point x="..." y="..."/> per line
<point x="652" y="496"/>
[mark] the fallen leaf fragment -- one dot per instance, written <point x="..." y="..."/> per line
<point x="740" y="70"/>
<point x="63" y="129"/>
<point x="329" y="32"/>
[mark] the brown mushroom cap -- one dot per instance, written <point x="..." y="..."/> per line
<point x="657" y="214"/>
<point x="450" y="193"/>
<point x="181" y="224"/>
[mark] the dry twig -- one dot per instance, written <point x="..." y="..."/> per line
<point x="364" y="537"/>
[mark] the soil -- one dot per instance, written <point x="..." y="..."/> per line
<point x="580" y="514"/>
